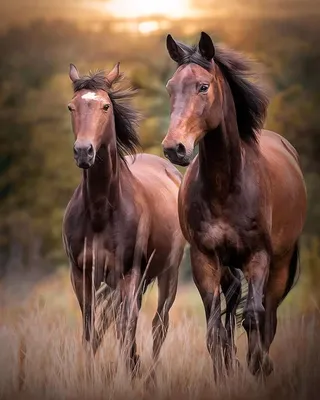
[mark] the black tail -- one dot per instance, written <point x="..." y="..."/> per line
<point x="238" y="275"/>
<point x="243" y="299"/>
<point x="294" y="270"/>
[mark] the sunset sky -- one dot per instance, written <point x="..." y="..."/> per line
<point x="117" y="8"/>
<point x="20" y="11"/>
<point x="137" y="8"/>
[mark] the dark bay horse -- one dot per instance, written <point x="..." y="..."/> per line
<point x="242" y="201"/>
<point x="121" y="226"/>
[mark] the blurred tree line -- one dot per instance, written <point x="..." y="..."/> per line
<point x="37" y="171"/>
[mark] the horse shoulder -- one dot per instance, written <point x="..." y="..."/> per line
<point x="72" y="225"/>
<point x="187" y="198"/>
<point x="71" y="211"/>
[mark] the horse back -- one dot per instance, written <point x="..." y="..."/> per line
<point x="157" y="176"/>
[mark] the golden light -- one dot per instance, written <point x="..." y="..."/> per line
<point x="148" y="26"/>
<point x="144" y="8"/>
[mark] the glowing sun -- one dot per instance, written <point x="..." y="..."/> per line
<point x="144" y="8"/>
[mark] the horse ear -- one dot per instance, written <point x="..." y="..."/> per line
<point x="73" y="73"/>
<point x="174" y="49"/>
<point x="206" y="46"/>
<point x="113" y="74"/>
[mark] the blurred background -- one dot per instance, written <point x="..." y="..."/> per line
<point x="38" y="40"/>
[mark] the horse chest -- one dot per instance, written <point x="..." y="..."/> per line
<point x="109" y="251"/>
<point x="215" y="231"/>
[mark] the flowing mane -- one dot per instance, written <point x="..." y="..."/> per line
<point x="125" y="117"/>
<point x="250" y="100"/>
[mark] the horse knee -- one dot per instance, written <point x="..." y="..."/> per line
<point x="260" y="363"/>
<point x="254" y="317"/>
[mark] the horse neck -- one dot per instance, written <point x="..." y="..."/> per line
<point x="101" y="184"/>
<point x="220" y="152"/>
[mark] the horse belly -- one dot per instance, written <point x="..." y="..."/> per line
<point x="288" y="194"/>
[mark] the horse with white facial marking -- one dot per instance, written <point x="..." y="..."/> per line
<point x="121" y="226"/>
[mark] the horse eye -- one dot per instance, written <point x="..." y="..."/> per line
<point x="203" y="88"/>
<point x="106" y="107"/>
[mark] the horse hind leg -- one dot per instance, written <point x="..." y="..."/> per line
<point x="167" y="287"/>
<point x="231" y="288"/>
<point x="280" y="282"/>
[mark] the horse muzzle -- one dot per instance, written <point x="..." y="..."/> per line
<point x="84" y="154"/>
<point x="177" y="155"/>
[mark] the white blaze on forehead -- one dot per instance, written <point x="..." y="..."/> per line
<point x="90" y="96"/>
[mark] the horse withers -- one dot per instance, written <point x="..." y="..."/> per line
<point x="242" y="201"/>
<point x="121" y="226"/>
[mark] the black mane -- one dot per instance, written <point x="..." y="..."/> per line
<point x="250" y="100"/>
<point x="125" y="117"/>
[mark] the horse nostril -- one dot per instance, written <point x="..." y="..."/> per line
<point x="90" y="151"/>
<point x="181" y="150"/>
<point x="75" y="151"/>
<point x="169" y="152"/>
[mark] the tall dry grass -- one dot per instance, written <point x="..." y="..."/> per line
<point x="41" y="356"/>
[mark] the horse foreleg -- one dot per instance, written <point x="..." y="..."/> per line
<point x="206" y="275"/>
<point x="231" y="288"/>
<point x="275" y="293"/>
<point x="82" y="286"/>
<point x="256" y="272"/>
<point x="108" y="304"/>
<point x="130" y="307"/>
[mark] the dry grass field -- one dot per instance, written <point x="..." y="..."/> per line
<point x="43" y="320"/>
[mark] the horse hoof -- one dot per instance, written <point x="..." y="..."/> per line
<point x="261" y="367"/>
<point x="267" y="366"/>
